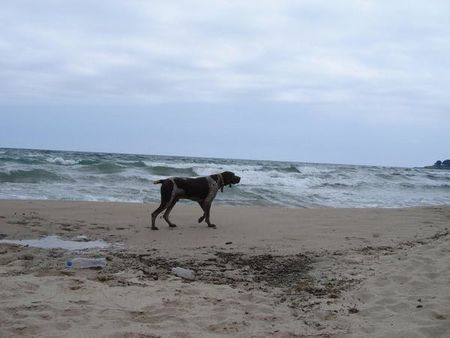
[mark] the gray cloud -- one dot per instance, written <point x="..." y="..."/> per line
<point x="354" y="54"/>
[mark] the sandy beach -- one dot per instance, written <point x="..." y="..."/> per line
<point x="262" y="272"/>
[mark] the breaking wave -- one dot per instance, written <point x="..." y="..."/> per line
<point x="60" y="160"/>
<point x="106" y="168"/>
<point x="171" y="171"/>
<point x="30" y="176"/>
<point x="60" y="175"/>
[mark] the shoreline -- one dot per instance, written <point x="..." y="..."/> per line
<point x="265" y="271"/>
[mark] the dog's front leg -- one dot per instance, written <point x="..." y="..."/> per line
<point x="203" y="208"/>
<point x="207" y="206"/>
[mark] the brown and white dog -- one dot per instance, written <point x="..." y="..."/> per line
<point x="200" y="189"/>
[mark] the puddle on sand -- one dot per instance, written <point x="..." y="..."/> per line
<point x="54" y="242"/>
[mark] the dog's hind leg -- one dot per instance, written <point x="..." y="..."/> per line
<point x="166" y="194"/>
<point x="156" y="213"/>
<point x="167" y="213"/>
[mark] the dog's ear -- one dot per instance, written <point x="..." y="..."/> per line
<point x="227" y="177"/>
<point x="219" y="181"/>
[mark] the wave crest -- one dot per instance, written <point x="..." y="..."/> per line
<point x="60" y="160"/>
<point x="135" y="164"/>
<point x="107" y="168"/>
<point x="20" y="160"/>
<point x="171" y="171"/>
<point x="30" y="176"/>
<point x="289" y="169"/>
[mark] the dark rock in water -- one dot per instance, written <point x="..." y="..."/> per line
<point x="440" y="165"/>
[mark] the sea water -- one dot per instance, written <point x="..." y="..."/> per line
<point x="62" y="175"/>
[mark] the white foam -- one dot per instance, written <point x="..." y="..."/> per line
<point x="184" y="165"/>
<point x="54" y="242"/>
<point x="60" y="160"/>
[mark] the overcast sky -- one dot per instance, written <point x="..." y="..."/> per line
<point x="362" y="82"/>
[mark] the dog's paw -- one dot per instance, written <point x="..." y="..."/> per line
<point x="211" y="226"/>
<point x="172" y="225"/>
<point x="201" y="219"/>
<point x="155" y="228"/>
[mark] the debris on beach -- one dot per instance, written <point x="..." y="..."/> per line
<point x="86" y="263"/>
<point x="184" y="273"/>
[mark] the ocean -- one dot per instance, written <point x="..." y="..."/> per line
<point x="83" y="176"/>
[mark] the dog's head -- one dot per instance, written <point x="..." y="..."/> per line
<point x="230" y="178"/>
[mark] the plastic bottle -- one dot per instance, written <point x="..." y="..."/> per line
<point x="85" y="263"/>
<point x="184" y="273"/>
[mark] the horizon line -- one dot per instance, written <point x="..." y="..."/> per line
<point x="208" y="157"/>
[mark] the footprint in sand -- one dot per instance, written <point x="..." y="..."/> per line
<point x="132" y="335"/>
<point x="439" y="316"/>
<point x="155" y="316"/>
<point x="101" y="227"/>
<point x="68" y="227"/>
<point x="225" y="327"/>
<point x="62" y="326"/>
<point x="76" y="284"/>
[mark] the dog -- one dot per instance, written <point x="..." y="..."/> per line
<point x="200" y="189"/>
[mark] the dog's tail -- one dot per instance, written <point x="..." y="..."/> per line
<point x="158" y="181"/>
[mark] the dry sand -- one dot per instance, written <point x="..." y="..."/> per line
<point x="263" y="272"/>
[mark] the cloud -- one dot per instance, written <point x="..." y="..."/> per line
<point x="351" y="53"/>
